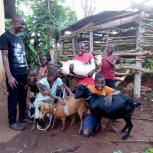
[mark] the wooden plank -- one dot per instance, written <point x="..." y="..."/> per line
<point x="84" y="28"/>
<point x="115" y="23"/>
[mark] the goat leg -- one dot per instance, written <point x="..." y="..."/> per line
<point x="53" y="123"/>
<point x="98" y="124"/>
<point x="72" y="120"/>
<point x="80" y="112"/>
<point x="130" y="126"/>
<point x="63" y="123"/>
<point x="34" y="125"/>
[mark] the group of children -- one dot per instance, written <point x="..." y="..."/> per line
<point x="45" y="84"/>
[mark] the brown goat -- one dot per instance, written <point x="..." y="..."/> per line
<point x="60" y="111"/>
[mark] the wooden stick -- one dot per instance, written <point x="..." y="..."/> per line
<point x="131" y="141"/>
<point x="145" y="119"/>
<point x="122" y="74"/>
<point x="144" y="53"/>
<point x="123" y="37"/>
<point x="147" y="111"/>
<point x="123" y="78"/>
<point x="147" y="20"/>
<point x="132" y="68"/>
<point x="93" y="139"/>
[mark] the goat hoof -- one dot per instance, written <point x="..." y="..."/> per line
<point x="124" y="137"/>
<point x="79" y="133"/>
<point x="52" y="127"/>
<point x="123" y="131"/>
<point x="33" y="128"/>
<point x="62" y="129"/>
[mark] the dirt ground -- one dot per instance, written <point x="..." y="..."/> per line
<point x="57" y="141"/>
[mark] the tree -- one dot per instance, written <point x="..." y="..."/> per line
<point x="43" y="25"/>
<point x="88" y="7"/>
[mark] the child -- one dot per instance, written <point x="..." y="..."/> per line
<point x="108" y="65"/>
<point x="42" y="72"/>
<point x="101" y="89"/>
<point x="49" y="85"/>
<point x="47" y="90"/>
<point x="32" y="84"/>
<point x="50" y="64"/>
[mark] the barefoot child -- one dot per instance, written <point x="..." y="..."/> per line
<point x="32" y="84"/>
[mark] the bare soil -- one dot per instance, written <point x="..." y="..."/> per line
<point x="57" y="141"/>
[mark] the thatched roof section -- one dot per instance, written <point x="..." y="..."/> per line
<point x="97" y="19"/>
<point x="9" y="7"/>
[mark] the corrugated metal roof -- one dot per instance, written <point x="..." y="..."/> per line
<point x="96" y="19"/>
<point x="9" y="7"/>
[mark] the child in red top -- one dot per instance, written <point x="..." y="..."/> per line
<point x="42" y="71"/>
<point x="101" y="89"/>
<point x="83" y="57"/>
<point x="108" y="66"/>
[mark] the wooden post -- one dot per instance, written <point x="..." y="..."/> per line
<point x="2" y="30"/>
<point x="91" y="41"/>
<point x="73" y="45"/>
<point x="62" y="46"/>
<point x="139" y="43"/>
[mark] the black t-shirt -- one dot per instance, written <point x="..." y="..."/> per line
<point x="16" y="52"/>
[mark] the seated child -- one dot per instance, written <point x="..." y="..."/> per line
<point x="101" y="89"/>
<point x="32" y="84"/>
<point x="48" y="87"/>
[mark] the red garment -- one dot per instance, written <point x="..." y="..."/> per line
<point x="107" y="70"/>
<point x="85" y="58"/>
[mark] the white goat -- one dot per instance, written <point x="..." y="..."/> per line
<point x="81" y="68"/>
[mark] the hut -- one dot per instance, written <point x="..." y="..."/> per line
<point x="130" y="31"/>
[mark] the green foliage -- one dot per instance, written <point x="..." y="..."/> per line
<point x="148" y="63"/>
<point x="7" y="24"/>
<point x="42" y="26"/>
<point x="149" y="95"/>
<point x="148" y="151"/>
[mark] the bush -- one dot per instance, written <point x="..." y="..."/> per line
<point x="148" y="151"/>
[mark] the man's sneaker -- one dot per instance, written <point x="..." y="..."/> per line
<point x="16" y="126"/>
<point x="26" y="120"/>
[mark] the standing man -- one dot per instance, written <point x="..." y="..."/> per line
<point x="15" y="65"/>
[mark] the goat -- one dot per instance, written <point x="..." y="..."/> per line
<point x="71" y="107"/>
<point x="81" y="68"/>
<point x="122" y="107"/>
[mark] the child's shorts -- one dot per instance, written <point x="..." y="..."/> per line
<point x="89" y="122"/>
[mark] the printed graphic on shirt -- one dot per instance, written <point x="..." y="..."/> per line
<point x="19" y="54"/>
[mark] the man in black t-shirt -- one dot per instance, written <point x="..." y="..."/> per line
<point x="15" y="65"/>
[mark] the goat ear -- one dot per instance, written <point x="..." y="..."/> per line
<point x="39" y="108"/>
<point x="62" y="62"/>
